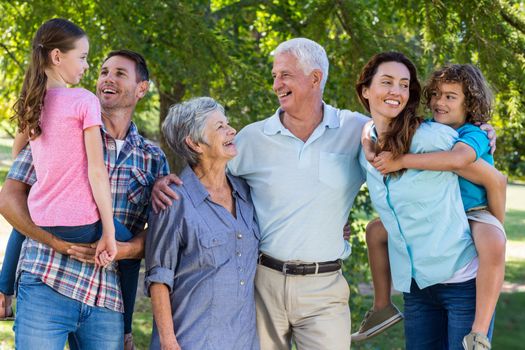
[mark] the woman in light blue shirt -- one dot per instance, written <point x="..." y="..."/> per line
<point x="432" y="255"/>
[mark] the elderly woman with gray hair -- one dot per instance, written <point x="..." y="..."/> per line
<point x="201" y="252"/>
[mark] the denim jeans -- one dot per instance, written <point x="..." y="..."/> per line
<point x="12" y="254"/>
<point x="439" y="316"/>
<point x="129" y="269"/>
<point x="44" y="318"/>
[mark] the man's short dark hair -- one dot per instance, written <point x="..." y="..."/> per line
<point x="140" y="63"/>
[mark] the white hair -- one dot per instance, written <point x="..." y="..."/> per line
<point x="188" y="119"/>
<point x="310" y="55"/>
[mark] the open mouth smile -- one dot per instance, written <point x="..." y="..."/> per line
<point x="392" y="102"/>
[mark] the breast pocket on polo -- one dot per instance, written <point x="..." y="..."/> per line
<point x="216" y="250"/>
<point x="139" y="187"/>
<point x="334" y="169"/>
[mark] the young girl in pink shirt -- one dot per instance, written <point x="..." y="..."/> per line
<point x="71" y="198"/>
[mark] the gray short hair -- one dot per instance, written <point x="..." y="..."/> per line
<point x="310" y="55"/>
<point x="188" y="119"/>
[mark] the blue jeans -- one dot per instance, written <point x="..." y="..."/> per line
<point x="129" y="269"/>
<point x="439" y="316"/>
<point x="45" y="318"/>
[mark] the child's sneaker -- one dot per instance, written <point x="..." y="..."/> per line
<point x="476" y="341"/>
<point x="376" y="322"/>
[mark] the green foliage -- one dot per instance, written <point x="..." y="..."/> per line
<point x="223" y="48"/>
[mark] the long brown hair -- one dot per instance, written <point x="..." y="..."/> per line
<point x="478" y="95"/>
<point x="57" y="33"/>
<point x="403" y="127"/>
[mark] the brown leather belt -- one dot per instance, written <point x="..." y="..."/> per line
<point x="299" y="269"/>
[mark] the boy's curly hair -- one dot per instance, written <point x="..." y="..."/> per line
<point x="478" y="95"/>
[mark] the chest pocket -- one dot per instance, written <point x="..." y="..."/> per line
<point x="139" y="187"/>
<point x="216" y="248"/>
<point x="334" y="169"/>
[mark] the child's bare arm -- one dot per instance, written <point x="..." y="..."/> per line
<point x="495" y="183"/>
<point x="20" y="141"/>
<point x="99" y="181"/>
<point x="367" y="143"/>
<point x="457" y="158"/>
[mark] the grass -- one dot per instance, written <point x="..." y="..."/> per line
<point x="514" y="224"/>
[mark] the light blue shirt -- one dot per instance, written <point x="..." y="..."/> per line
<point x="474" y="195"/>
<point x="428" y="233"/>
<point x="302" y="191"/>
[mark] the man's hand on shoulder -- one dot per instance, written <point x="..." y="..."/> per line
<point x="161" y="194"/>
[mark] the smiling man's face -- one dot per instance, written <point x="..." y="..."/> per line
<point x="117" y="85"/>
<point x="293" y="87"/>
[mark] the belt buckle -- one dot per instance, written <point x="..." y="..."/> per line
<point x="284" y="268"/>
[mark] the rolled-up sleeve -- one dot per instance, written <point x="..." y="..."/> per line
<point x="162" y="246"/>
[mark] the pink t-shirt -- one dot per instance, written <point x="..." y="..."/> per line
<point x="62" y="195"/>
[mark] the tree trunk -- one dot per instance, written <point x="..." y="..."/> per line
<point x="167" y="99"/>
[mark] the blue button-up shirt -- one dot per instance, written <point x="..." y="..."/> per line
<point x="207" y="258"/>
<point x="428" y="233"/>
<point x="302" y="191"/>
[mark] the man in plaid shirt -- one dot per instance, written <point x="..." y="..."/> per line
<point x="57" y="294"/>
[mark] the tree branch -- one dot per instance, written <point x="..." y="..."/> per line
<point x="20" y="65"/>
<point x="512" y="19"/>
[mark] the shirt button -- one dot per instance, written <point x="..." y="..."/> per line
<point x="111" y="146"/>
<point x="242" y="282"/>
<point x="239" y="235"/>
<point x="214" y="240"/>
<point x="239" y="254"/>
<point x="240" y="268"/>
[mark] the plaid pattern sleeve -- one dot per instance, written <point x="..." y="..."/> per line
<point x="22" y="169"/>
<point x="132" y="173"/>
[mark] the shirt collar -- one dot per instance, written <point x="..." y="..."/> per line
<point x="132" y="136"/>
<point x="198" y="193"/>
<point x="274" y="125"/>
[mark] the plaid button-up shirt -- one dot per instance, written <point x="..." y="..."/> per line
<point x="132" y="174"/>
